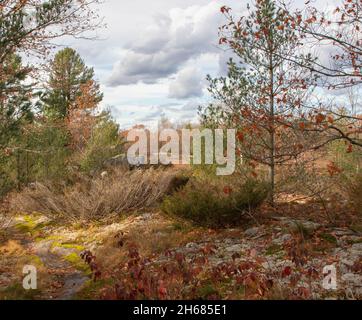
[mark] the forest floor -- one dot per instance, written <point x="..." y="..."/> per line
<point x="290" y="251"/>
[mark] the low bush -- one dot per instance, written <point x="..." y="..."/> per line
<point x="103" y="144"/>
<point x="98" y="199"/>
<point x="214" y="203"/>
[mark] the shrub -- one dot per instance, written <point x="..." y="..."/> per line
<point x="216" y="203"/>
<point x="39" y="154"/>
<point x="97" y="199"/>
<point x="103" y="144"/>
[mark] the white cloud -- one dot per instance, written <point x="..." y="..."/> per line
<point x="145" y="59"/>
<point x="165" y="46"/>
<point x="188" y="83"/>
<point x="149" y="115"/>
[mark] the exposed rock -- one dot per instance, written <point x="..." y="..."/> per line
<point x="343" y="232"/>
<point x="191" y="245"/>
<point x="252" y="232"/>
<point x="357" y="248"/>
<point x="300" y="225"/>
<point x="42" y="247"/>
<point x="61" y="251"/>
<point x="146" y="217"/>
<point x="352" y="279"/>
<point x="237" y="248"/>
<point x="282" y="239"/>
<point x="346" y="265"/>
<point x="73" y="283"/>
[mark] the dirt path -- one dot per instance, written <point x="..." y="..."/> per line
<point x="69" y="280"/>
<point x="61" y="273"/>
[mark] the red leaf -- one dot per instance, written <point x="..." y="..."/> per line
<point x="222" y="40"/>
<point x="287" y="272"/>
<point x="240" y="136"/>
<point x="333" y="169"/>
<point x="162" y="290"/>
<point x="320" y="118"/>
<point x="227" y="190"/>
<point x="224" y="9"/>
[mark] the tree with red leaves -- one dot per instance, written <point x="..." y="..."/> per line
<point x="340" y="32"/>
<point x="263" y="93"/>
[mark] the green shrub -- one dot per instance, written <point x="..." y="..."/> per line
<point x="214" y="203"/>
<point x="39" y="154"/>
<point x="104" y="144"/>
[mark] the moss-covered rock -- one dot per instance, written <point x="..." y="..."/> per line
<point x="76" y="261"/>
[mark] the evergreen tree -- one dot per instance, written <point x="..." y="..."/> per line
<point x="15" y="111"/>
<point x="104" y="143"/>
<point x="68" y="75"/>
<point x="15" y="99"/>
<point x="263" y="93"/>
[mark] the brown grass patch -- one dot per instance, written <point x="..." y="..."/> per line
<point x="152" y="237"/>
<point x="97" y="199"/>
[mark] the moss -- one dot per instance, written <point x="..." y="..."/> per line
<point x="68" y="246"/>
<point x="26" y="226"/>
<point x="36" y="261"/>
<point x="76" y="261"/>
<point x="73" y="246"/>
<point x="31" y="225"/>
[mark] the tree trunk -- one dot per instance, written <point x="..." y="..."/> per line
<point x="271" y="131"/>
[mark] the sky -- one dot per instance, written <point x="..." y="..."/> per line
<point x="153" y="58"/>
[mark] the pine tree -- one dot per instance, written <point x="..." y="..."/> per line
<point x="15" y="99"/>
<point x="15" y="111"/>
<point x="68" y="76"/>
<point x="263" y="92"/>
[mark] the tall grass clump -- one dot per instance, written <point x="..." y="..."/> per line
<point x="97" y="199"/>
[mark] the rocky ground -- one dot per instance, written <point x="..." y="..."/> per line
<point x="291" y="253"/>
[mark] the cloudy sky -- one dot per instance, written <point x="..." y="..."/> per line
<point x="153" y="58"/>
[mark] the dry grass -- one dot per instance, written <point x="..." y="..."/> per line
<point x="355" y="193"/>
<point x="98" y="199"/>
<point x="152" y="237"/>
<point x="5" y="221"/>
